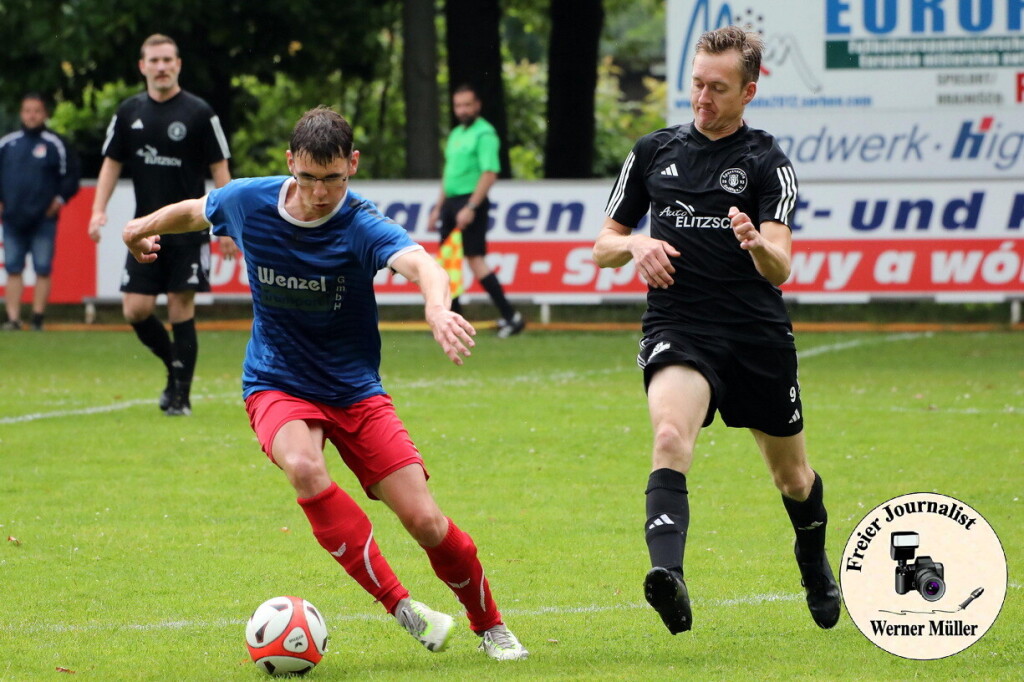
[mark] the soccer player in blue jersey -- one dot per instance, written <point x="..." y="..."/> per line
<point x="311" y="371"/>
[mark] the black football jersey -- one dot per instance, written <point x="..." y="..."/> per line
<point x="688" y="183"/>
<point x="167" y="147"/>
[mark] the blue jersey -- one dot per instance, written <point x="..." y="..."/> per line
<point x="314" y="332"/>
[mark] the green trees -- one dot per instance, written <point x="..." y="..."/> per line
<point x="388" y="65"/>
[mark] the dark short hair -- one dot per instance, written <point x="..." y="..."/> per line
<point x="157" y="39"/>
<point x="466" y="87"/>
<point x="37" y="96"/>
<point x="749" y="45"/>
<point x="322" y="134"/>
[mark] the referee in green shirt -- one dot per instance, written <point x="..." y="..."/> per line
<point x="471" y="167"/>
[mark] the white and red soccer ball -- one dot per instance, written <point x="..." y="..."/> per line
<point x="286" y="635"/>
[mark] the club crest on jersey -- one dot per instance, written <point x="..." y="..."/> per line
<point x="177" y="131"/>
<point x="39" y="151"/>
<point x="733" y="180"/>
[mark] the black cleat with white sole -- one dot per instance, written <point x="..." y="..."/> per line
<point x="512" y="326"/>
<point x="665" y="590"/>
<point x="166" y="396"/>
<point x="180" y="405"/>
<point x="822" y="591"/>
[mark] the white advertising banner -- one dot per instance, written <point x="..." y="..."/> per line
<point x="876" y="89"/>
<point x="852" y="242"/>
<point x="948" y="240"/>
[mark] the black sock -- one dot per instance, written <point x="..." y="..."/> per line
<point x="186" y="348"/>
<point x="492" y="286"/>
<point x="456" y="306"/>
<point x="809" y="520"/>
<point x="37" y="319"/>
<point x="155" y="337"/>
<point x="668" y="518"/>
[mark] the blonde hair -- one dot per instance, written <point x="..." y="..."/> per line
<point x="750" y="45"/>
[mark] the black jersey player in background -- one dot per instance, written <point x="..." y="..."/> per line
<point x="168" y="138"/>
<point x="717" y="335"/>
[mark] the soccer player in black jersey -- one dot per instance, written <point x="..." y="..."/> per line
<point x="167" y="138"/>
<point x="717" y="335"/>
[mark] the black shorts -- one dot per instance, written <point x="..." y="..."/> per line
<point x="474" y="235"/>
<point x="184" y="267"/>
<point x="752" y="386"/>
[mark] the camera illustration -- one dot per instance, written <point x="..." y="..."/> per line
<point x="923" y="575"/>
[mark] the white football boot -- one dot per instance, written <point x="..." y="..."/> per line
<point x="500" y="644"/>
<point x="430" y="628"/>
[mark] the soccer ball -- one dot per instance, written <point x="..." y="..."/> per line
<point x="286" y="635"/>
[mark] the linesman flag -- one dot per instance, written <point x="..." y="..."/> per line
<point x="450" y="257"/>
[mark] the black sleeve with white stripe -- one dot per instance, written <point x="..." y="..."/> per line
<point x="630" y="199"/>
<point x="778" y="198"/>
<point x="216" y="142"/>
<point x="115" y="144"/>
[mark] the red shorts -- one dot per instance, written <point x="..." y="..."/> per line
<point x="369" y="435"/>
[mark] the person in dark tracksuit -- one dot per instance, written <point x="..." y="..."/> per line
<point x="39" y="173"/>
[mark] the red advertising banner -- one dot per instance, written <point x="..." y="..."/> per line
<point x="951" y="242"/>
<point x="873" y="268"/>
<point x="908" y="267"/>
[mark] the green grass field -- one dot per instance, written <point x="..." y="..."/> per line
<point x="144" y="543"/>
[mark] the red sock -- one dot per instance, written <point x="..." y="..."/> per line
<point x="455" y="562"/>
<point x="343" y="529"/>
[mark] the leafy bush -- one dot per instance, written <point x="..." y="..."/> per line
<point x="525" y="93"/>
<point x="620" y="122"/>
<point x="85" y="126"/>
<point x="264" y="114"/>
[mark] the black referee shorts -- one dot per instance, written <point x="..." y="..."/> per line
<point x="179" y="267"/>
<point x="752" y="386"/>
<point x="474" y="235"/>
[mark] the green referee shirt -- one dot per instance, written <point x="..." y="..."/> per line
<point x="471" y="151"/>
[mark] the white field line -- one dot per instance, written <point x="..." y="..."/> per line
<point x="751" y="600"/>
<point x="72" y="413"/>
<point x="547" y="377"/>
<point x="99" y="409"/>
<point x="542" y="377"/>
<point x="235" y="622"/>
<point x="927" y="409"/>
<point x="856" y="343"/>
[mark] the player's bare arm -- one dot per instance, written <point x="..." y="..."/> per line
<point x="110" y="171"/>
<point x="451" y="331"/>
<point x="771" y="248"/>
<point x="616" y="246"/>
<point x="141" y="235"/>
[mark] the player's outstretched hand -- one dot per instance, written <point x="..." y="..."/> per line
<point x="143" y="249"/>
<point x="96" y="223"/>
<point x="748" y="236"/>
<point x="453" y="333"/>
<point x="652" y="260"/>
